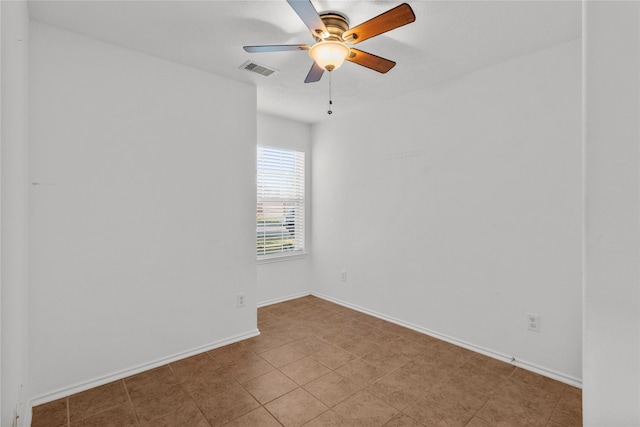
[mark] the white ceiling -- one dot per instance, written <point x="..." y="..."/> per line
<point x="448" y="39"/>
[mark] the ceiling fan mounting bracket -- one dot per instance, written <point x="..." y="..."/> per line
<point x="336" y="23"/>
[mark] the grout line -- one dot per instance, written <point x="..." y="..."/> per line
<point x="198" y="408"/>
<point x="270" y="413"/>
<point x="555" y="408"/>
<point x="126" y="390"/>
<point x="182" y="387"/>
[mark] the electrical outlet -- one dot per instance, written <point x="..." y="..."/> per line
<point x="240" y="300"/>
<point x="533" y="322"/>
<point x="344" y="276"/>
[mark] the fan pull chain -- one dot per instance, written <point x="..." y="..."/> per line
<point x="330" y="101"/>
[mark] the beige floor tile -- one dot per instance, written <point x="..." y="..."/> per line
<point x="207" y="386"/>
<point x="333" y="357"/>
<point x="153" y="404"/>
<point x="282" y="355"/>
<point x="396" y="393"/>
<point x="381" y="335"/>
<point x="402" y="420"/>
<point x="364" y="409"/>
<point x="226" y="407"/>
<point x="304" y="370"/>
<point x="52" y="414"/>
<point x="202" y="377"/>
<point x="568" y="412"/>
<point x="432" y="413"/>
<point x="387" y="357"/>
<point x="374" y="322"/>
<point x="441" y="361"/>
<point x="360" y="372"/>
<point x="186" y="415"/>
<point x="96" y="400"/>
<point x="269" y="386"/>
<point x="259" y="417"/>
<point x="230" y="353"/>
<point x="478" y="422"/>
<point x="296" y="408"/>
<point x="153" y="381"/>
<point x="328" y="419"/>
<point x="528" y="396"/>
<point x="486" y="373"/>
<point x="395" y="328"/>
<point x="574" y="392"/>
<point x="310" y="345"/>
<point x="538" y="381"/>
<point x="263" y="342"/>
<point x="411" y="348"/>
<point x="295" y="334"/>
<point x="457" y="391"/>
<point x="492" y="365"/>
<point x="121" y="415"/>
<point x="447" y="351"/>
<point x="211" y="385"/>
<point x="503" y="412"/>
<point x="336" y="335"/>
<point x="249" y="367"/>
<point x="419" y="337"/>
<point x="194" y="367"/>
<point x="332" y="388"/>
<point x="358" y="346"/>
<point x="403" y="386"/>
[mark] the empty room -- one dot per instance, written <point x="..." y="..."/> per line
<point x="320" y="213"/>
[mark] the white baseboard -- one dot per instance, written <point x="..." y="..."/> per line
<point x="26" y="422"/>
<point x="283" y="299"/>
<point x="86" y="385"/>
<point x="567" y="379"/>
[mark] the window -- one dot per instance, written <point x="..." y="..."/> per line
<point x="280" y="207"/>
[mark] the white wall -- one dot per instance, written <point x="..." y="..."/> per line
<point x="458" y="209"/>
<point x="14" y="202"/>
<point x="142" y="210"/>
<point x="286" y="277"/>
<point x="611" y="367"/>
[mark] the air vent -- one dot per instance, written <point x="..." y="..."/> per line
<point x="257" y="68"/>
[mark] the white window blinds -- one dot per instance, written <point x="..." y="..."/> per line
<point x="280" y="207"/>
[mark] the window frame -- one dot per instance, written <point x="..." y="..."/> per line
<point x="299" y="203"/>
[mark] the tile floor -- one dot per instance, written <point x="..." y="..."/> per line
<point x="320" y="364"/>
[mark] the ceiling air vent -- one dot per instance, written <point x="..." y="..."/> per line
<point x="257" y="68"/>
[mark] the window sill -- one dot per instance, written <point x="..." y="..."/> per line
<point x="282" y="258"/>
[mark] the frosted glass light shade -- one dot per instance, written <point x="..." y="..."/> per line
<point x="329" y="55"/>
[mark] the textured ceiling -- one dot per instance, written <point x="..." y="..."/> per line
<point x="448" y="39"/>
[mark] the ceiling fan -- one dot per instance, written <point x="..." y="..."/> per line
<point x="333" y="37"/>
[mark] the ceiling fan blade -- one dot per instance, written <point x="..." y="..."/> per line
<point x="371" y="61"/>
<point x="275" y="48"/>
<point x="309" y="16"/>
<point x="387" y="21"/>
<point x="315" y="73"/>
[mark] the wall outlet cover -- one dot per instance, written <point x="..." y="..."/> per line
<point x="533" y="322"/>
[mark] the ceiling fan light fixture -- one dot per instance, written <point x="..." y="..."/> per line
<point x="329" y="55"/>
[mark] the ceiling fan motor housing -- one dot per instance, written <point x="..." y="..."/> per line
<point x="336" y="24"/>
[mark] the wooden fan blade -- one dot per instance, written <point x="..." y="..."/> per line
<point x="275" y="48"/>
<point x="309" y="16"/>
<point x="315" y="73"/>
<point x="371" y="61"/>
<point x="389" y="20"/>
